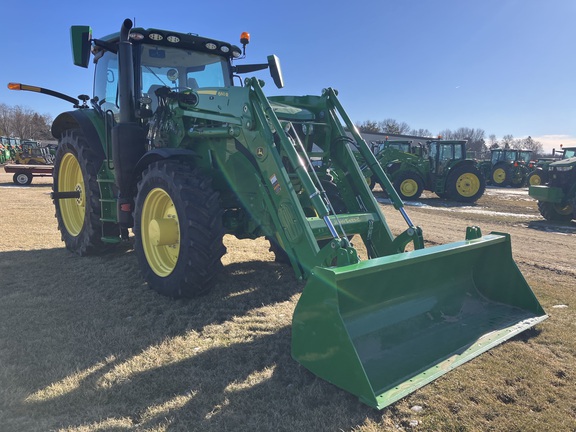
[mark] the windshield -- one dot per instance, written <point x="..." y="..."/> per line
<point x="569" y="153"/>
<point x="525" y="156"/>
<point x="181" y="69"/>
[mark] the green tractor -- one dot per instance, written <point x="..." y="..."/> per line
<point x="439" y="166"/>
<point x="539" y="175"/>
<point x="507" y="167"/>
<point x="383" y="150"/>
<point x="557" y="199"/>
<point x="4" y="150"/>
<point x="176" y="148"/>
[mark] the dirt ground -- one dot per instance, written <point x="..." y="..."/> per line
<point x="544" y="252"/>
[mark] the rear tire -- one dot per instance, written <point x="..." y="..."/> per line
<point x="409" y="186"/>
<point x="466" y="184"/>
<point x="555" y="212"/>
<point x="76" y="169"/>
<point x="178" y="230"/>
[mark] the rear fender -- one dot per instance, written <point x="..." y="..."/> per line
<point x="150" y="157"/>
<point x="88" y="121"/>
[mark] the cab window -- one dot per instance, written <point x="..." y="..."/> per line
<point x="106" y="82"/>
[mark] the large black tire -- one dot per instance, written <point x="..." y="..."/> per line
<point x="500" y="175"/>
<point x="465" y="184"/>
<point x="409" y="185"/>
<point x="555" y="212"/>
<point x="75" y="169"/>
<point x="178" y="230"/>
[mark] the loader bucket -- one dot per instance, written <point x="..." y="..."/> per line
<point x="385" y="327"/>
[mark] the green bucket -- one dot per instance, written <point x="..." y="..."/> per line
<point x="385" y="327"/>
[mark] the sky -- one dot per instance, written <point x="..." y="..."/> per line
<point x="504" y="66"/>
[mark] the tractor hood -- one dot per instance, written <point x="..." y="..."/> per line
<point x="291" y="113"/>
<point x="564" y="163"/>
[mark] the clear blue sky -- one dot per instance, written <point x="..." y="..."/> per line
<point x="505" y="66"/>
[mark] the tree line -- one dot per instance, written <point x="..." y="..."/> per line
<point x="477" y="141"/>
<point x="21" y="122"/>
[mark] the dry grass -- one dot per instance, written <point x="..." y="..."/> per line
<point x="86" y="346"/>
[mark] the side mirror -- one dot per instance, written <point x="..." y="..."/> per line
<point x="275" y="70"/>
<point x="81" y="37"/>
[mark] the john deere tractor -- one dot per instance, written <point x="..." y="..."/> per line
<point x="438" y="166"/>
<point x="557" y="199"/>
<point x="174" y="146"/>
<point x="540" y="171"/>
<point x="507" y="167"/>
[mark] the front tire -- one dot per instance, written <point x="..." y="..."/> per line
<point x="76" y="169"/>
<point x="178" y="230"/>
<point x="409" y="186"/>
<point x="537" y="177"/>
<point x="466" y="184"/>
<point x="500" y="176"/>
<point x="555" y="212"/>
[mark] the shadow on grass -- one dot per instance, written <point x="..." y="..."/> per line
<point x="86" y="342"/>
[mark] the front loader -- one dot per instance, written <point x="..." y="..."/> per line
<point x="177" y="148"/>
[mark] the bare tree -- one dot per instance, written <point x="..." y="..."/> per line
<point x="507" y="141"/>
<point x="420" y="132"/>
<point x="492" y="142"/>
<point x="24" y="123"/>
<point x="529" y="144"/>
<point x="368" y="126"/>
<point x="394" y="127"/>
<point x="5" y="116"/>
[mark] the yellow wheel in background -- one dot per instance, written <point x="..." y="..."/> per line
<point x="499" y="176"/>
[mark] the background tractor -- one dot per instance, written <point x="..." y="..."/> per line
<point x="539" y="174"/>
<point x="438" y="166"/>
<point x="31" y="153"/>
<point x="507" y="167"/>
<point x="557" y="199"/>
<point x="174" y="146"/>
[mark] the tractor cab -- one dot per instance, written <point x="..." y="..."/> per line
<point x="443" y="154"/>
<point x="173" y="62"/>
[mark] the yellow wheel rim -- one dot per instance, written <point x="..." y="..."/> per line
<point x="499" y="175"/>
<point x="468" y="185"/>
<point x="563" y="210"/>
<point x="408" y="187"/>
<point x="535" y="180"/>
<point x="160" y="232"/>
<point x="69" y="180"/>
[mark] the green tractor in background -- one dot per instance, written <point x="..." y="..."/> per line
<point x="439" y="166"/>
<point x="557" y="199"/>
<point x="177" y="148"/>
<point x="507" y="167"/>
<point x="383" y="150"/>
<point x="5" y="155"/>
<point x="539" y="175"/>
